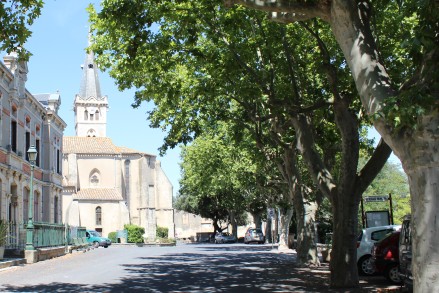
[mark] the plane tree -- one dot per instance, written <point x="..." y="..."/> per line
<point x="16" y="18"/>
<point x="220" y="180"/>
<point x="402" y="103"/>
<point x="193" y="58"/>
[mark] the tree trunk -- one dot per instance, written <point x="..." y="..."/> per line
<point x="344" y="237"/>
<point x="285" y="219"/>
<point x="424" y="188"/>
<point x="234" y="224"/>
<point x="268" y="232"/>
<point x="420" y="160"/>
<point x="257" y="220"/>
<point x="306" y="247"/>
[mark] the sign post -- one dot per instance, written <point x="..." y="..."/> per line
<point x="271" y="216"/>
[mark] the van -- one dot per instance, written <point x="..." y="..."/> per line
<point x="96" y="239"/>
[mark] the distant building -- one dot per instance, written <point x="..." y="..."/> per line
<point x="107" y="186"/>
<point x="26" y="120"/>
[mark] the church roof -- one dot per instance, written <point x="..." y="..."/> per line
<point x="88" y="145"/>
<point x="94" y="145"/>
<point x="98" y="194"/>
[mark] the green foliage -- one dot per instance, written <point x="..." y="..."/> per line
<point x="220" y="177"/>
<point x="113" y="237"/>
<point x="135" y="233"/>
<point x="162" y="232"/>
<point x="411" y="54"/>
<point x="16" y="17"/>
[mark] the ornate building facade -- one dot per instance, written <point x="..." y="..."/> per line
<point x="107" y="186"/>
<point x="28" y="120"/>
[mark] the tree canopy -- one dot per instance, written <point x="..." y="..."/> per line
<point x="16" y="17"/>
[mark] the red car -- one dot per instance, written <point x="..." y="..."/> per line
<point x="385" y="257"/>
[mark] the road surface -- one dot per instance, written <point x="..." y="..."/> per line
<point x="182" y="268"/>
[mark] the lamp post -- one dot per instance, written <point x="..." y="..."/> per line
<point x="32" y="155"/>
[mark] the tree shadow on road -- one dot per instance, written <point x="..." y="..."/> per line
<point x="255" y="270"/>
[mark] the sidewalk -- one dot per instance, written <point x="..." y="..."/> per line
<point x="9" y="262"/>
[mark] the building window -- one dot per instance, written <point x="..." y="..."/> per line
<point x="26" y="194"/>
<point x="91" y="133"/>
<point x="36" y="207"/>
<point x="37" y="146"/>
<point x="55" y="210"/>
<point x="94" y="178"/>
<point x="97" y="115"/>
<point x="85" y="115"/>
<point x="27" y="141"/>
<point x="58" y="161"/>
<point x="98" y="216"/>
<point x="14" y="136"/>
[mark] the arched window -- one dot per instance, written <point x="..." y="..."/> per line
<point x="94" y="178"/>
<point x="97" y="115"/>
<point x="91" y="133"/>
<point x="98" y="216"/>
<point x="85" y="115"/>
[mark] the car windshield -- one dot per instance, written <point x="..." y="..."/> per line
<point x="256" y="231"/>
<point x="95" y="234"/>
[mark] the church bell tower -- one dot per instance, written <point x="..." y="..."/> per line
<point x="90" y="106"/>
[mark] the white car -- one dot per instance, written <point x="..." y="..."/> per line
<point x="365" y="241"/>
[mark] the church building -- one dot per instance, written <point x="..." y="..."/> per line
<point x="106" y="186"/>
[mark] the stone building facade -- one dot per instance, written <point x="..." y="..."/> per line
<point x="26" y="120"/>
<point x="107" y="186"/>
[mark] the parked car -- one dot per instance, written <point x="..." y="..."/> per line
<point x="254" y="235"/>
<point x="385" y="257"/>
<point x="405" y="254"/>
<point x="96" y="239"/>
<point x="224" y="237"/>
<point x="365" y="241"/>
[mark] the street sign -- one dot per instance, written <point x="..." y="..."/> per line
<point x="376" y="198"/>
<point x="271" y="213"/>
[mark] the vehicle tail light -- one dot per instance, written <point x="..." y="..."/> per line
<point x="388" y="255"/>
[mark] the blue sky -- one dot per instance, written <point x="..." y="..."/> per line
<point x="58" y="46"/>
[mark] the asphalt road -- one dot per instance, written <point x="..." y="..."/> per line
<point x="183" y="268"/>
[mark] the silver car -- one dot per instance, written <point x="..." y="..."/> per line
<point x="254" y="235"/>
<point x="224" y="237"/>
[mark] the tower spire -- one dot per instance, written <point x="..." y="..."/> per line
<point x="90" y="106"/>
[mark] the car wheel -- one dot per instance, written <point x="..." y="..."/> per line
<point x="365" y="266"/>
<point x="95" y="244"/>
<point x="106" y="246"/>
<point x="392" y="274"/>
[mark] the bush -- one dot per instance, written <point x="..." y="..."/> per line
<point x="162" y="232"/>
<point x="135" y="233"/>
<point x="113" y="237"/>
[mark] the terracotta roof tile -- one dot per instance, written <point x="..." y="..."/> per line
<point x="95" y="145"/>
<point x="98" y="194"/>
<point x="88" y="145"/>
